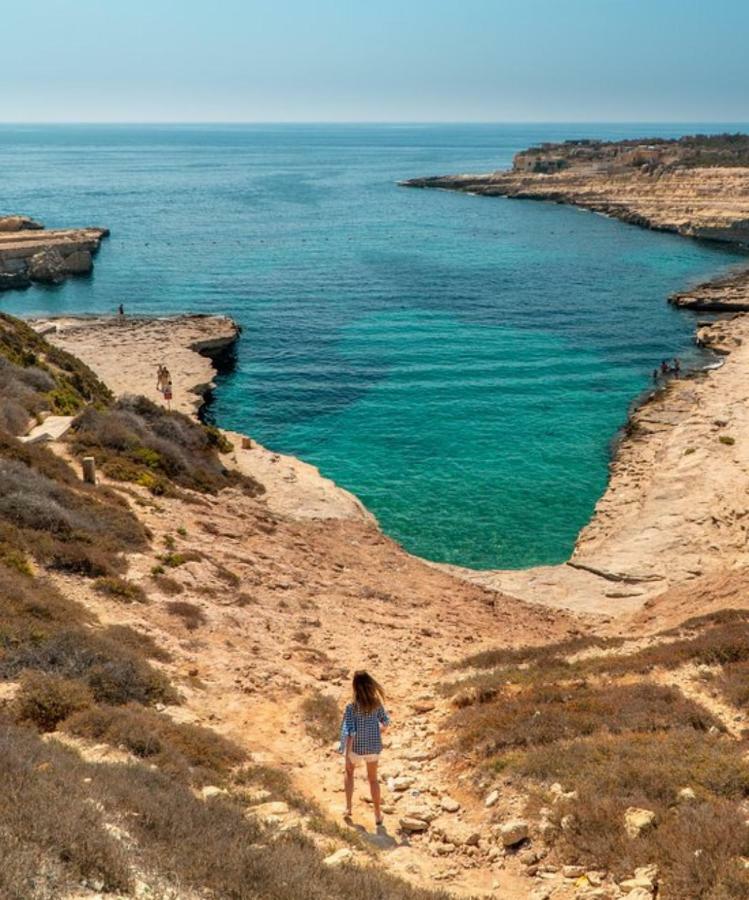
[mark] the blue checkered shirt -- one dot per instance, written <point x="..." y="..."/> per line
<point x="364" y="728"/>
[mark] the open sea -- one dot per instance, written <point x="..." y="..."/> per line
<point x="461" y="363"/>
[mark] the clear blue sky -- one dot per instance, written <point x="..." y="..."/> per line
<point x="374" y="60"/>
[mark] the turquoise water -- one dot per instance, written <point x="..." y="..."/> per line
<point x="461" y="363"/>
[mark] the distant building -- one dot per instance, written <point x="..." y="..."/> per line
<point x="538" y="161"/>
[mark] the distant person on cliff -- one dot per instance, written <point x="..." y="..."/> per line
<point x="361" y="737"/>
<point x="677" y="366"/>
<point x="120" y="314"/>
<point x="168" y="390"/>
<point x="162" y="374"/>
<point x="665" y="367"/>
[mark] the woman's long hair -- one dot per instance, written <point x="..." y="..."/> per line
<point x="368" y="694"/>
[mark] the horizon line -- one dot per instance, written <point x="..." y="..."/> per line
<point x="380" y="122"/>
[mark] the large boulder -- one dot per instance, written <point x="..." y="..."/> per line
<point x="47" y="265"/>
<point x="513" y="832"/>
<point x="19" y="223"/>
<point x="637" y="821"/>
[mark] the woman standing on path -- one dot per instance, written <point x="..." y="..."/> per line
<point x="361" y="737"/>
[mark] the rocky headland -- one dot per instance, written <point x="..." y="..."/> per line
<point x="663" y="185"/>
<point x="31" y="253"/>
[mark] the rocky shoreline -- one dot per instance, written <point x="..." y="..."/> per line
<point x="672" y="513"/>
<point x="125" y="352"/>
<point x="30" y="253"/>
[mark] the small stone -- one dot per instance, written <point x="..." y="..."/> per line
<point x="339" y="858"/>
<point x="444" y="849"/>
<point x="210" y="790"/>
<point x="401" y="784"/>
<point x="449" y="805"/>
<point x="637" y="821"/>
<point x="686" y="795"/>
<point x="573" y="871"/>
<point x="413" y="825"/>
<point x="513" y="832"/>
<point x="491" y="799"/>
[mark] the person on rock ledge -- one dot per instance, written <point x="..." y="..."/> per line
<point x="363" y="723"/>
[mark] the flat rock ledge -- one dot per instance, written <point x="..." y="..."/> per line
<point x="125" y="352"/>
<point x="31" y="253"/>
<point x="729" y="293"/>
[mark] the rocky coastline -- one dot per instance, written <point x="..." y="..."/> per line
<point x="125" y="352"/>
<point x="30" y="253"/>
<point x="673" y="512"/>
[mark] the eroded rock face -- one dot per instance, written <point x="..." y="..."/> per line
<point x="711" y="203"/>
<point x="30" y="253"/>
<point x="47" y="266"/>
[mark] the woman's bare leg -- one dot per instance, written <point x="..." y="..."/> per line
<point x="374" y="787"/>
<point x="348" y="785"/>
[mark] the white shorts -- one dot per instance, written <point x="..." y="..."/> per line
<point x="359" y="758"/>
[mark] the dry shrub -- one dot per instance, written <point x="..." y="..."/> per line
<point x="611" y="773"/>
<point x="136" y="642"/>
<point x="179" y="749"/>
<point x="542" y="715"/>
<point x="192" y="616"/>
<point x="114" y="672"/>
<point x="35" y="376"/>
<point x="51" y="835"/>
<point x="213" y="846"/>
<point x="322" y="717"/>
<point x="32" y="608"/>
<point x="52" y="809"/>
<point x="227" y="576"/>
<point x="540" y="655"/>
<point x="717" y="645"/>
<point x="138" y="441"/>
<point x="722" y="639"/>
<point x="120" y="589"/>
<point x="45" y="700"/>
<point x="168" y="585"/>
<point x="47" y="512"/>
<point x="733" y="683"/>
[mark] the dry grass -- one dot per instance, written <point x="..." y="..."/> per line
<point x="47" y="513"/>
<point x="718" y="639"/>
<point x="611" y="773"/>
<point x="114" y="672"/>
<point x="544" y="715"/>
<point x="37" y="377"/>
<point x="188" y="752"/>
<point x="53" y="809"/>
<point x="51" y="835"/>
<point x="322" y="717"/>
<point x="192" y="616"/>
<point x="168" y="585"/>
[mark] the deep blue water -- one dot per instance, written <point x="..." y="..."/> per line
<point x="461" y="363"/>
